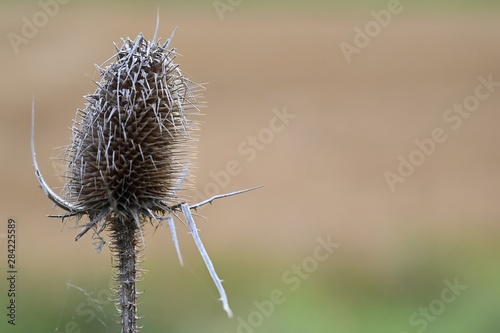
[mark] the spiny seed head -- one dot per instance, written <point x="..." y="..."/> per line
<point x="129" y="157"/>
<point x="131" y="143"/>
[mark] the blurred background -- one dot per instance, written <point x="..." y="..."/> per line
<point x="372" y="126"/>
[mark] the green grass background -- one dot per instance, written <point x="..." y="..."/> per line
<point x="338" y="297"/>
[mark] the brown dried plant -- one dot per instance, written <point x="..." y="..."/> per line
<point x="129" y="159"/>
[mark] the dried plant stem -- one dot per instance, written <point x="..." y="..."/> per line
<point x="124" y="246"/>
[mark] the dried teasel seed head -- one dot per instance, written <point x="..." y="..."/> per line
<point x="132" y="142"/>
<point x="129" y="157"/>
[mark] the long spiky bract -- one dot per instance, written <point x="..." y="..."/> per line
<point x="129" y="157"/>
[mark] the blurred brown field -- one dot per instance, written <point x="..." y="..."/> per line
<point x="323" y="170"/>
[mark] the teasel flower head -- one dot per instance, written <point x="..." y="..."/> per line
<point x="128" y="160"/>
<point x="131" y="145"/>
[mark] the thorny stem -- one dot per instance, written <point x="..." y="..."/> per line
<point x="125" y="236"/>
